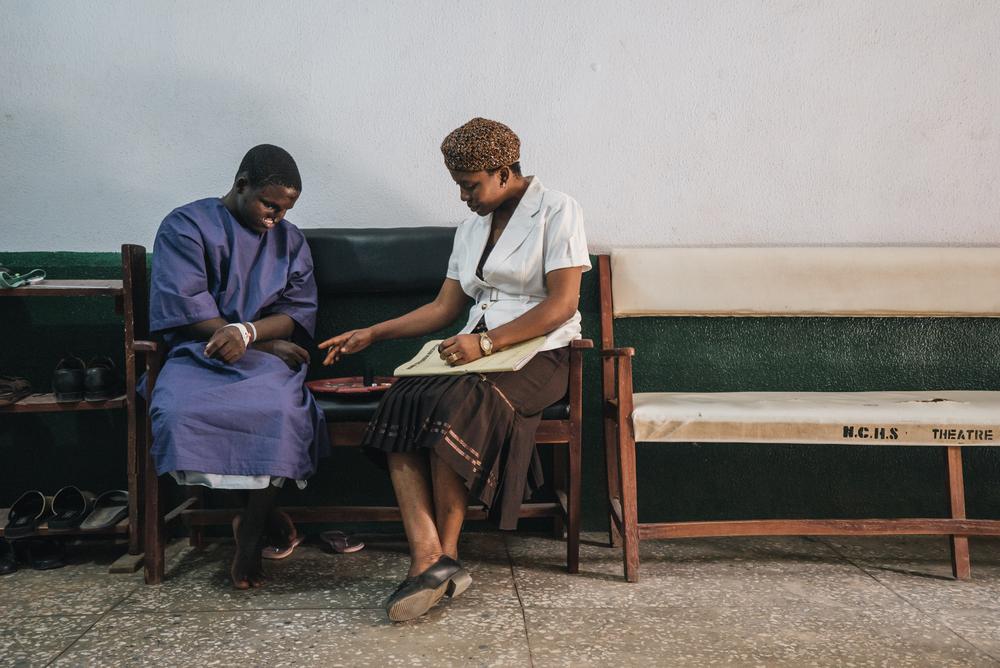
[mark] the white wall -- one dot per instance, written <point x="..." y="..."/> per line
<point x="672" y="122"/>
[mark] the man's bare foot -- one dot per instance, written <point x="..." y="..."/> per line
<point x="247" y="570"/>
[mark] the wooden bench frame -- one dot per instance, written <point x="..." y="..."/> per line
<point x="565" y="511"/>
<point x="626" y="531"/>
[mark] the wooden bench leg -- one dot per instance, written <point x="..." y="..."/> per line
<point x="614" y="485"/>
<point x="154" y="527"/>
<point x="573" y="503"/>
<point x="153" y="523"/>
<point x="559" y="464"/>
<point x="629" y="501"/>
<point x="960" y="566"/>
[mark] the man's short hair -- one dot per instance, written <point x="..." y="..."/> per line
<point x="267" y="164"/>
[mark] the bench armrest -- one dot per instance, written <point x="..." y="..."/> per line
<point x="618" y="352"/>
<point x="145" y="346"/>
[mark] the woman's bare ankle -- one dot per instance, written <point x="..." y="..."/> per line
<point x="420" y="564"/>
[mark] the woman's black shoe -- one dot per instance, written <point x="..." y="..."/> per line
<point x="415" y="596"/>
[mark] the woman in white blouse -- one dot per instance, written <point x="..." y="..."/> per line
<point x="520" y="258"/>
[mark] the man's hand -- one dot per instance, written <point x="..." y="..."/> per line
<point x="289" y="353"/>
<point x="226" y="344"/>
<point x="460" y="349"/>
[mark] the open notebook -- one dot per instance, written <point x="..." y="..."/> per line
<point x="429" y="363"/>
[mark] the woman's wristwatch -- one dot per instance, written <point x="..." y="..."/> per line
<point x="485" y="343"/>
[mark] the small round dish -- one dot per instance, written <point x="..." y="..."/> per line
<point x="351" y="385"/>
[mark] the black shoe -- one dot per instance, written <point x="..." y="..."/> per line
<point x="415" y="596"/>
<point x="46" y="553"/>
<point x="100" y="381"/>
<point x="67" y="380"/>
<point x="8" y="561"/>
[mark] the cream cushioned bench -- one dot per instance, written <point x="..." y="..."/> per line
<point x="794" y="282"/>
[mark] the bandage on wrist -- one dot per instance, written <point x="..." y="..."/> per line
<point x="244" y="332"/>
<point x="253" y="329"/>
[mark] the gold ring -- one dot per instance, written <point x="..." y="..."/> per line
<point x="452" y="357"/>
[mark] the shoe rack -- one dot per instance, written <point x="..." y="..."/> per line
<point x="45" y="402"/>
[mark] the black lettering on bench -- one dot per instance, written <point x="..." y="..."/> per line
<point x="875" y="432"/>
<point x="942" y="434"/>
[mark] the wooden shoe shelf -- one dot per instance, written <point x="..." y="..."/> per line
<point x="46" y="403"/>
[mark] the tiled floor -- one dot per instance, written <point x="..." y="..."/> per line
<point x="751" y="601"/>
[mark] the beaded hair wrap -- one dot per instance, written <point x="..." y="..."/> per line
<point x="481" y="144"/>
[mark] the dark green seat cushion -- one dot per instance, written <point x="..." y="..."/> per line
<point x="361" y="410"/>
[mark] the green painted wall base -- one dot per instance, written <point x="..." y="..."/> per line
<point x="679" y="482"/>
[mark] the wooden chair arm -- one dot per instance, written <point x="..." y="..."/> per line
<point x="145" y="346"/>
<point x="581" y="343"/>
<point x="618" y="352"/>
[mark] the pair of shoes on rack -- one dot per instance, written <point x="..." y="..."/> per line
<point x="42" y="553"/>
<point x="416" y="595"/>
<point x="75" y="381"/>
<point x="13" y="389"/>
<point x="70" y="508"/>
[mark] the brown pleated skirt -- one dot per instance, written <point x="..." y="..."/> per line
<point x="482" y="425"/>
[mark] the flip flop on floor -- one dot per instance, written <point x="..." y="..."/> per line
<point x="110" y="508"/>
<point x="340" y="542"/>
<point x="70" y="506"/>
<point x="30" y="510"/>
<point x="281" y="552"/>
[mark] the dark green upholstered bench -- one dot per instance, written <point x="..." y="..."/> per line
<point x="391" y="270"/>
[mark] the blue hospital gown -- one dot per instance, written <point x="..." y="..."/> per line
<point x="254" y="417"/>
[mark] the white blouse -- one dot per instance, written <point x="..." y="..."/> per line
<point x="545" y="233"/>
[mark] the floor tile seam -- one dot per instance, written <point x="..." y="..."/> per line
<point x="87" y="630"/>
<point x="912" y="604"/>
<point x="505" y="606"/>
<point x="682" y="608"/>
<point x="4" y="620"/>
<point x="517" y="591"/>
<point x="201" y="611"/>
